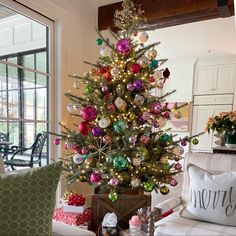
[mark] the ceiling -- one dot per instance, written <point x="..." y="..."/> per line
<point x="106" y="2"/>
<point x="6" y="12"/>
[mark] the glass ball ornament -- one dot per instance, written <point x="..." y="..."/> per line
<point x="70" y="107"/>
<point x="105" y="88"/>
<point x="166" y="167"/>
<point x="195" y="141"/>
<point x="111" y="107"/>
<point x="85" y="156"/>
<point x="124" y="46"/>
<point x="152" y="54"/>
<point x="143" y="37"/>
<point x="77" y="107"/>
<point x="99" y="41"/>
<point x="84" y="151"/>
<point x="89" y="113"/>
<point x="104" y="51"/>
<point x="69" y="145"/>
<point x="173" y="181"/>
<point x="120" y="162"/>
<point x="130" y="87"/>
<point x="152" y="80"/>
<point x="113" y="196"/>
<point x="89" y="89"/>
<point x="144" y="139"/>
<point x="115" y="72"/>
<point x="153" y="64"/>
<point x="138" y="84"/>
<point x="95" y="177"/>
<point x="56" y="141"/>
<point x="135" y="183"/>
<point x="178" y="150"/>
<point x="133" y="139"/>
<point x="132" y="116"/>
<point x="113" y="182"/>
<point x="138" y="100"/>
<point x="101" y="70"/>
<point x="155" y="108"/>
<point x="164" y="190"/>
<point x="119" y="126"/>
<point x="165" y="138"/>
<point x="143" y="62"/>
<point x="78" y="159"/>
<point x="107" y="139"/>
<point x="183" y="143"/>
<point x="140" y="120"/>
<point x="166" y="115"/>
<point x="148" y="186"/>
<point x="104" y="122"/>
<point x="96" y="131"/>
<point x="135" y="68"/>
<point x="84" y="128"/>
<point x="136" y="161"/>
<point x="178" y="115"/>
<point x="178" y="166"/>
<point x="146" y="115"/>
<point x="141" y="153"/>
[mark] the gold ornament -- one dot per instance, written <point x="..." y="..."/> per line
<point x="132" y="116"/>
<point x="152" y="54"/>
<point x="164" y="160"/>
<point x="178" y="115"/>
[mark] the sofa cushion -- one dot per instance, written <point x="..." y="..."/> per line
<point x="27" y="201"/>
<point x="212" y="197"/>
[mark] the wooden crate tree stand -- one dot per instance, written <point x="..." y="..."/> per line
<point x="124" y="208"/>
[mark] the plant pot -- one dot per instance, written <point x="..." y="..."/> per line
<point x="230" y="140"/>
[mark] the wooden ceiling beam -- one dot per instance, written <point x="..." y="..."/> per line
<point x="164" y="13"/>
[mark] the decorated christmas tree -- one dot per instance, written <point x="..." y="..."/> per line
<point x="121" y="141"/>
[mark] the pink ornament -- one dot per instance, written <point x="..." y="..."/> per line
<point x="104" y="88"/>
<point x="101" y="70"/>
<point x="95" y="177"/>
<point x="107" y="139"/>
<point x="130" y="86"/>
<point x="111" y="107"/>
<point x="69" y="145"/>
<point x="146" y="115"/>
<point x="84" y="151"/>
<point x="144" y="139"/>
<point x="173" y="182"/>
<point x="89" y="113"/>
<point x="178" y="166"/>
<point x="84" y="127"/>
<point x="151" y="80"/>
<point x="56" y="141"/>
<point x="113" y="182"/>
<point x="183" y="143"/>
<point x="124" y="46"/>
<point x="135" y="68"/>
<point x="155" y="108"/>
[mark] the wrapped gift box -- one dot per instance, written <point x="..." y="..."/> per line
<point x="72" y="218"/>
<point x="74" y="209"/>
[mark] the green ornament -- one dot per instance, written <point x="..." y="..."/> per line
<point x="99" y="41"/>
<point x="113" y="196"/>
<point x="119" y="126"/>
<point x="84" y="156"/>
<point x="166" y="167"/>
<point x="148" y="186"/>
<point x="120" y="162"/>
<point x="142" y="153"/>
<point x="89" y="89"/>
<point x="164" y="190"/>
<point x="195" y="141"/>
<point x="165" y="138"/>
<point x="153" y="64"/>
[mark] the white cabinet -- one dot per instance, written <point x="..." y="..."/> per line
<point x="214" y="79"/>
<point x="201" y="113"/>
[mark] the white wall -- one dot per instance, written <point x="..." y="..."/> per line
<point x="19" y="34"/>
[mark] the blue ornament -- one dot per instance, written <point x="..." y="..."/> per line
<point x="119" y="126"/>
<point x="153" y="64"/>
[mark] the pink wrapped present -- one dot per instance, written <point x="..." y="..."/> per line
<point x="72" y="218"/>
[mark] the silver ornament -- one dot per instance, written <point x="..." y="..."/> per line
<point x="70" y="107"/>
<point x="143" y="61"/>
<point x="178" y="150"/>
<point x="135" y="183"/>
<point x="143" y="37"/>
<point x="152" y="54"/>
<point x="115" y="72"/>
<point x="76" y="84"/>
<point x="136" y="161"/>
<point x="77" y="107"/>
<point x="138" y="100"/>
<point x="120" y="104"/>
<point x="104" y="123"/>
<point x="78" y="159"/>
<point x="104" y="51"/>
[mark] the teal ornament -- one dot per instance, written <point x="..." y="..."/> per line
<point x="148" y="186"/>
<point x="120" y="162"/>
<point x="113" y="196"/>
<point x="99" y="41"/>
<point x="153" y="64"/>
<point x="119" y="126"/>
<point x="84" y="156"/>
<point x="166" y="167"/>
<point x="89" y="89"/>
<point x="195" y="141"/>
<point x="165" y="138"/>
<point x="164" y="190"/>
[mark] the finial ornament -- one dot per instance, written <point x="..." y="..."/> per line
<point x="130" y="15"/>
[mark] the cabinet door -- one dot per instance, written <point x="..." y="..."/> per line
<point x="203" y="80"/>
<point x="200" y="117"/>
<point x="225" y="80"/>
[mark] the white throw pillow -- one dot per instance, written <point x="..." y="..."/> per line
<point x="212" y="197"/>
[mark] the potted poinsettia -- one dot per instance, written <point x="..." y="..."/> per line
<point x="224" y="123"/>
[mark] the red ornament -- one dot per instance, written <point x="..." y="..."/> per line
<point x="101" y="70"/>
<point x="151" y="80"/>
<point x="178" y="166"/>
<point x="111" y="107"/>
<point x="166" y="73"/>
<point x="135" y="68"/>
<point x="84" y="127"/>
<point x="108" y="76"/>
<point x="166" y="115"/>
<point x="144" y="139"/>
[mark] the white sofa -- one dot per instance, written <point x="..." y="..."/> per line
<point x="58" y="228"/>
<point x="177" y="225"/>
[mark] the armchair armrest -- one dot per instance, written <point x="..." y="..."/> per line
<point x="168" y="204"/>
